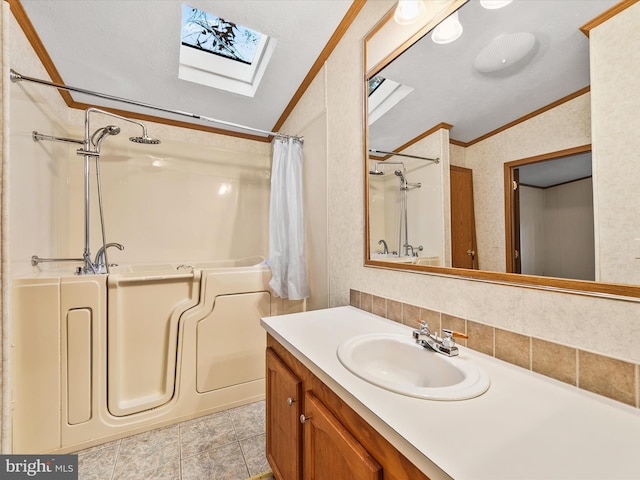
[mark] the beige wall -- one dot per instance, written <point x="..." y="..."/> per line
<point x="615" y="83"/>
<point x="563" y="318"/>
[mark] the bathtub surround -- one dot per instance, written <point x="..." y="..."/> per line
<point x="610" y="377"/>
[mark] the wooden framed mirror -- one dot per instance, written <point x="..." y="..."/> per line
<point x="442" y="106"/>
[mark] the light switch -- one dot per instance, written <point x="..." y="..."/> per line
<point x="636" y="248"/>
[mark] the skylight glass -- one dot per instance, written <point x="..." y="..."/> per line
<point x="384" y="94"/>
<point x="374" y="83"/>
<point x="217" y="36"/>
<point x="222" y="54"/>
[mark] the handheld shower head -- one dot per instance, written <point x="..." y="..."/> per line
<point x="399" y="174"/>
<point x="103" y="132"/>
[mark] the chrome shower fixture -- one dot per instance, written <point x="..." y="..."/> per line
<point x="375" y="171"/>
<point x="103" y="132"/>
<point x="145" y="140"/>
<point x="91" y="150"/>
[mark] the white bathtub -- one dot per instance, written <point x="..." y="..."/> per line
<point x="145" y="346"/>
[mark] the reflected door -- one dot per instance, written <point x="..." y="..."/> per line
<point x="463" y="224"/>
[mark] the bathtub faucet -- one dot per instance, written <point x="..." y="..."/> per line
<point x="100" y="261"/>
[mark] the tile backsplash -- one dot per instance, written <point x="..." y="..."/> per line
<point x="610" y="377"/>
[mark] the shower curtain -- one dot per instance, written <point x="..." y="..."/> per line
<point x="286" y="221"/>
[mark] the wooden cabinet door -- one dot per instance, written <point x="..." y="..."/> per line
<point x="283" y="395"/>
<point x="330" y="451"/>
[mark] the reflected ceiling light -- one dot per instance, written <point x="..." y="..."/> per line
<point x="494" y="4"/>
<point x="504" y="51"/>
<point x="408" y="11"/>
<point x="448" y="30"/>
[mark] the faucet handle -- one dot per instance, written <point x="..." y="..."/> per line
<point x="424" y="330"/>
<point x="454" y="334"/>
<point x="449" y="335"/>
<point x="423" y="326"/>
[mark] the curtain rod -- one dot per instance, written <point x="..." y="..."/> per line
<point x="434" y="160"/>
<point x="16" y="77"/>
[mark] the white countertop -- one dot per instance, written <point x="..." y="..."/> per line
<point x="526" y="426"/>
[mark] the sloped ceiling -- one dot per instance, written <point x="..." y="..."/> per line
<point x="130" y="49"/>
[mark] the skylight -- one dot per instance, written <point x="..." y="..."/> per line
<point x="384" y="94"/>
<point x="222" y="54"/>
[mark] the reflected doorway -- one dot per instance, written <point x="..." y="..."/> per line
<point x="549" y="213"/>
<point x="464" y="250"/>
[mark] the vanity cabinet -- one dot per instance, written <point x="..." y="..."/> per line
<point x="313" y="434"/>
<point x="284" y="430"/>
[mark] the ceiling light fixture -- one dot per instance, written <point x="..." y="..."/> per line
<point x="408" y="11"/>
<point x="494" y="4"/>
<point x="449" y="30"/>
<point x="504" y="51"/>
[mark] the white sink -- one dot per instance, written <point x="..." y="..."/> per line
<point x="396" y="363"/>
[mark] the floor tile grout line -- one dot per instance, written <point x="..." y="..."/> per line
<point x="244" y="457"/>
<point x="179" y="452"/>
<point x="115" y="462"/>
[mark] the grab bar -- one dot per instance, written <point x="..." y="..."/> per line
<point x="152" y="278"/>
<point x="35" y="260"/>
<point x="41" y="136"/>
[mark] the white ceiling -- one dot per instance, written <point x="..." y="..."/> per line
<point x="448" y="89"/>
<point x="558" y="171"/>
<point x="130" y="49"/>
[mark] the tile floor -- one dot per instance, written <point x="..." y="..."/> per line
<point x="228" y="445"/>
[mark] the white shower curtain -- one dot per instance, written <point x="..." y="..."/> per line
<point x="286" y="221"/>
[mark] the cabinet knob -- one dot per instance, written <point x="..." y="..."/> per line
<point x="291" y="401"/>
<point x="303" y="418"/>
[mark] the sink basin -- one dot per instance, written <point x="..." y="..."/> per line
<point x="396" y="363"/>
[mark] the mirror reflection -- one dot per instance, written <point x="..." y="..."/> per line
<point x="507" y="96"/>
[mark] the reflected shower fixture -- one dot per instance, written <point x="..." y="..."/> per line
<point x="375" y="171"/>
<point x="408" y="11"/>
<point x="449" y="30"/>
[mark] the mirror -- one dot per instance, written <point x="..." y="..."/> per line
<point x="471" y="103"/>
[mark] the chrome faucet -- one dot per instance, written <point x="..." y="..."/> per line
<point x="446" y="346"/>
<point x="385" y="248"/>
<point x="413" y="250"/>
<point x="100" y="261"/>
